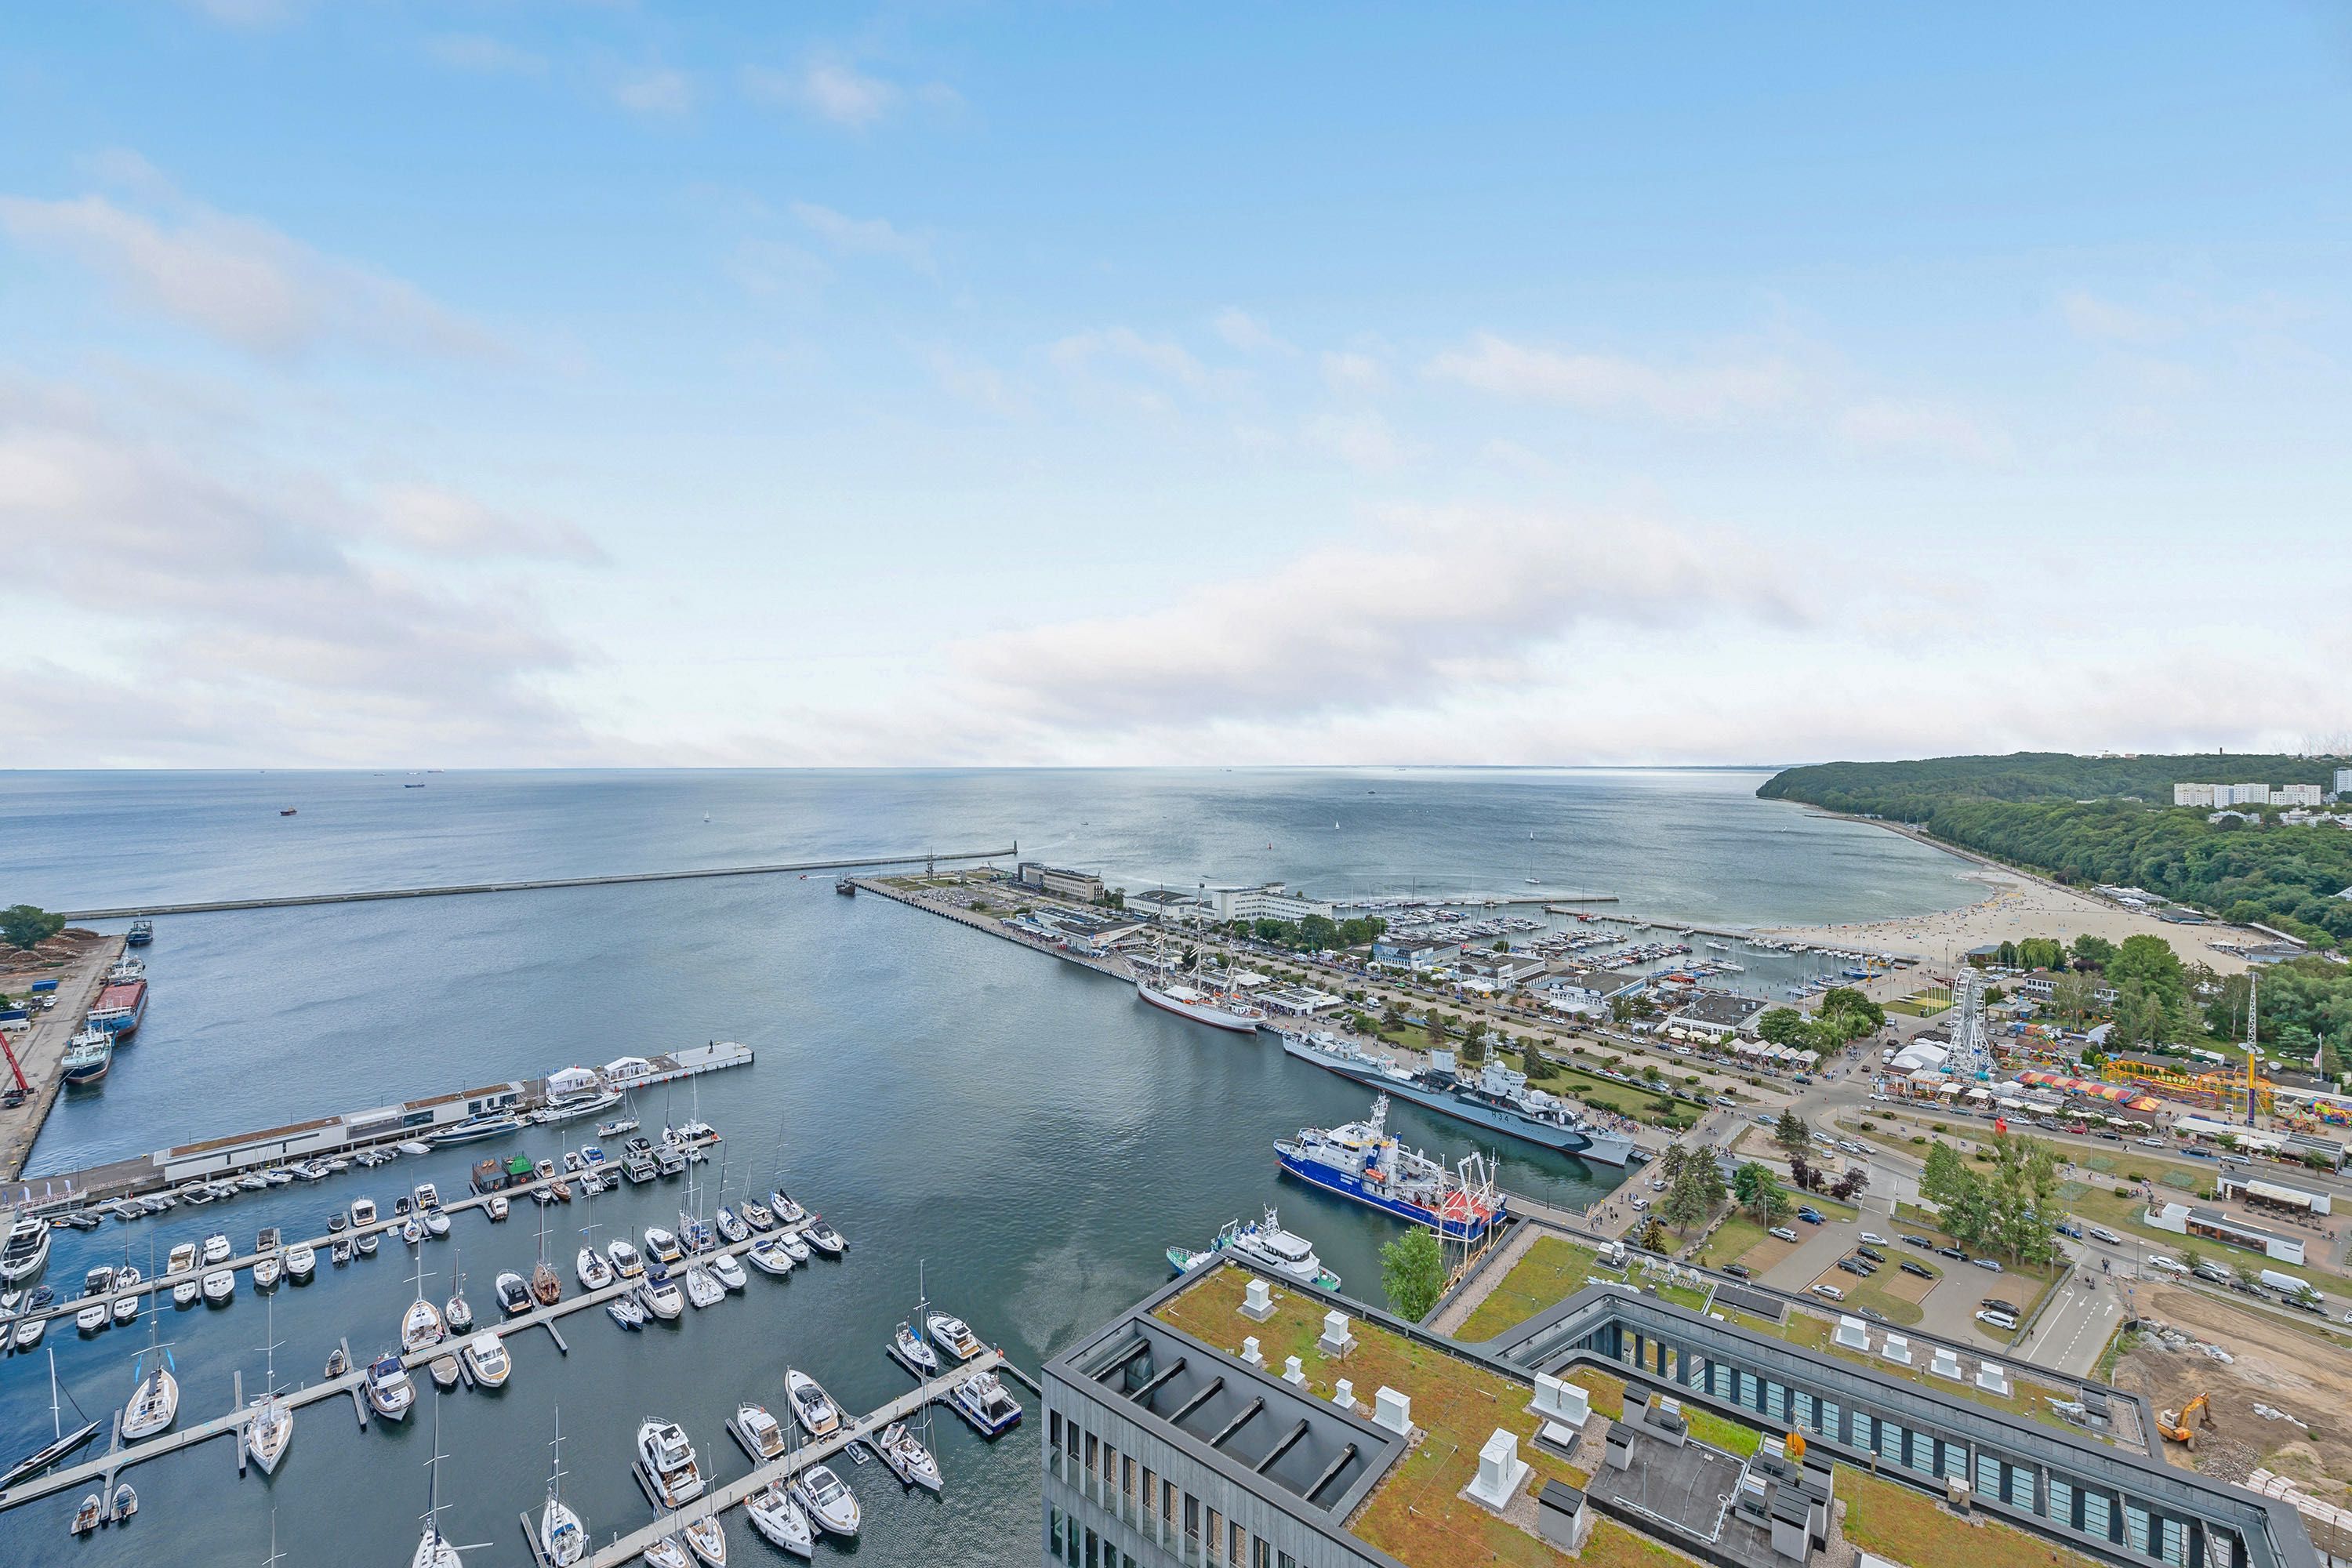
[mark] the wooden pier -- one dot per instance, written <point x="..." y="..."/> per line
<point x="351" y="1384"/>
<point x="718" y="1500"/>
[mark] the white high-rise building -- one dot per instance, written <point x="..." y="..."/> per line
<point x="2193" y="794"/>
<point x="2344" y="782"/>
<point x="2297" y="794"/>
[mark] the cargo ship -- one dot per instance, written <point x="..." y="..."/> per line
<point x="119" y="1008"/>
<point x="143" y="931"/>
<point x="1363" y="1161"/>
<point x="88" y="1056"/>
<point x="1497" y="1099"/>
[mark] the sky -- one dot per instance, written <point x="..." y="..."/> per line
<point x="542" y="383"/>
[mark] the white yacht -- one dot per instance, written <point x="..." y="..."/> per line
<point x="362" y="1213"/>
<point x="216" y="1249"/>
<point x="761" y="1433"/>
<point x="829" y="1503"/>
<point x="26" y="1251"/>
<point x="908" y="1460"/>
<point x="953" y="1335"/>
<point x="661" y="1296"/>
<point x="391" y="1393"/>
<point x="182" y="1258"/>
<point x="662" y="1245"/>
<point x="219" y="1286"/>
<point x="668" y="1462"/>
<point x="728" y="1270"/>
<point x="625" y="1260"/>
<point x="707" y="1539"/>
<point x="421" y="1326"/>
<point x="702" y="1287"/>
<point x="486" y="1357"/>
<point x="301" y="1261"/>
<point x="777" y="1517"/>
<point x="819" y="1416"/>
<point x="1278" y="1251"/>
<point x="155" y="1402"/>
<point x="769" y="1256"/>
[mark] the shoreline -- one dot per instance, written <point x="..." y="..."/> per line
<point x="2021" y="904"/>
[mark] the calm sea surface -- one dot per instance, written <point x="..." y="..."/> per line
<point x="1026" y="1131"/>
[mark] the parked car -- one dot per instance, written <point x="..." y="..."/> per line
<point x="1784" y="1233"/>
<point x="1872" y="1253"/>
<point x="1995" y="1304"/>
<point x="2157" y="1260"/>
<point x="1872" y="1237"/>
<point x="1870" y="1314"/>
<point x="1639" y="1202"/>
<point x="2211" y="1274"/>
<point x="1804" y="1077"/>
<point x="2101" y="1233"/>
<point x="1809" y="1215"/>
<point x="1990" y="1265"/>
<point x="1918" y="1241"/>
<point x="1829" y="1292"/>
<point x="2151" y="1142"/>
<point x="1767" y="1121"/>
<point x="2303" y="1304"/>
<point x="1739" y="1271"/>
<point x="2073" y="1230"/>
<point x="1921" y="1269"/>
<point x="2001" y="1321"/>
<point x="1952" y="1252"/>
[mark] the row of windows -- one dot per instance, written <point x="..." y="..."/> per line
<point x="2096" y="1512"/>
<point x="1166" y="1514"/>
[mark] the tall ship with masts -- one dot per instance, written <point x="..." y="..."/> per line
<point x="1192" y="995"/>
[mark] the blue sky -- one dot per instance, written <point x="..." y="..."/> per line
<point x="515" y="383"/>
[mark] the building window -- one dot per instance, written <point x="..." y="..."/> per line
<point x="1827" y="1423"/>
<point x="1260" y="1553"/>
<point x="1236" y="1545"/>
<point x="2098" y="1515"/>
<point x="1191" y="1528"/>
<point x="1054" y="1530"/>
<point x="1216" y="1533"/>
<point x="2062" y="1501"/>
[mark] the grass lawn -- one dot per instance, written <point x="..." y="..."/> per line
<point x="1913" y="1528"/>
<point x="1683" y="1296"/>
<point x="1414" y="1514"/>
<point x="1733" y="1435"/>
<point x="1621" y="1097"/>
<point x="1552" y="1270"/>
<point x="1412" y="1036"/>
<point x="1860" y="1293"/>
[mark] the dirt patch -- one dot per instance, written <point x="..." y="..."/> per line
<point x="2275" y="1365"/>
<point x="1767" y="1252"/>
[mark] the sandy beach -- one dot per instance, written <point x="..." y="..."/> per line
<point x="2016" y="906"/>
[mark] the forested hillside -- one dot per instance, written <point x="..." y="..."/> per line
<point x="2073" y="818"/>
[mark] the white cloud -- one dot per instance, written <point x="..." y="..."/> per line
<point x="865" y="236"/>
<point x="1162" y="356"/>
<point x="658" y="91"/>
<point x="296" y="621"/>
<point x="1246" y="332"/>
<point x="237" y="280"/>
<point x="777" y="270"/>
<point x="1364" y="439"/>
<point x="830" y="89"/>
<point x="483" y="55"/>
<point x="244" y="13"/>
<point x="1613" y="385"/>
<point x="1370" y="625"/>
<point x="1353" y="373"/>
<point x="1934" y="429"/>
<point x="976" y="382"/>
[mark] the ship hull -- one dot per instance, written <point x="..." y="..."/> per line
<point x="1603" y="1147"/>
<point x="1349" y="1186"/>
<point x="1199" y="1011"/>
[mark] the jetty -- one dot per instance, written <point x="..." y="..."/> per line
<point x="349" y="1385"/>
<point x="928" y="858"/>
<point x="718" y="1500"/>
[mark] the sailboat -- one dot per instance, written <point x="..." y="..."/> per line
<point x="562" y="1539"/>
<point x="702" y="1287"/>
<point x="595" y="1270"/>
<point x="458" y="1313"/>
<point x="62" y="1443"/>
<point x="433" y="1549"/>
<point x="271" y="1429"/>
<point x="421" y="1327"/>
<point x="155" y="1402"/>
<point x="546" y="1284"/>
<point x="906" y="1342"/>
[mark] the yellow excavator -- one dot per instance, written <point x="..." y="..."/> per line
<point x="2174" y="1424"/>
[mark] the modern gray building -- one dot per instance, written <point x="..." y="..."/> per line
<point x="1163" y="1450"/>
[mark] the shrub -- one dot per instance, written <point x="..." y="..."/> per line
<point x="2122" y="1192"/>
<point x="1921" y="1139"/>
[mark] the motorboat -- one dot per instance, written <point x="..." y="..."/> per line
<point x="819" y="1416"/>
<point x="796" y="1246"/>
<point x="668" y="1462"/>
<point x="277" y="1176"/>
<point x="762" y="1436"/>
<point x="825" y="1238"/>
<point x="339" y="1253"/>
<point x="707" y="1541"/>
<point x="769" y="1257"/>
<point x="730" y="1225"/>
<point x="661" y="1295"/>
<point x="777" y="1518"/>
<point x="595" y="1272"/>
<point x="625" y="1260"/>
<point x="911" y="1462"/>
<point x="182" y="1259"/>
<point x="28" y="1333"/>
<point x="90" y="1515"/>
<point x="445" y="1370"/>
<point x="666" y="1552"/>
<point x="908" y="1343"/>
<point x="787" y="1211"/>
<point x="953" y="1335"/>
<point x="26" y="1251"/>
<point x="365" y="1243"/>
<point x="124" y="1504"/>
<point x="983" y="1401"/>
<point x="426" y="1196"/>
<point x="627" y="1311"/>
<point x="728" y="1270"/>
<point x="421" y="1327"/>
<point x="391" y="1393"/>
<point x="475" y="1128"/>
<point x="94" y="1317"/>
<point x="757" y="1214"/>
<point x="498" y="1208"/>
<point x="252" y="1181"/>
<point x="185" y="1293"/>
<point x="339" y="1362"/>
<point x="486" y="1357"/>
<point x="436" y="1223"/>
<point x="267" y="1271"/>
<point x="268" y="1243"/>
<point x="412" y="1146"/>
<point x="830" y="1504"/>
<point x="155" y="1400"/>
<point x="362" y="1213"/>
<point x="301" y="1262"/>
<point x="513" y="1293"/>
<point x="702" y="1287"/>
<point x="1265" y="1244"/>
<point x="219" y="1286"/>
<point x="216" y="1249"/>
<point x="663" y="1245"/>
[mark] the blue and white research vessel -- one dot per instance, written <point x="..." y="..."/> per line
<point x="1498" y="1098"/>
<point x="1363" y="1161"/>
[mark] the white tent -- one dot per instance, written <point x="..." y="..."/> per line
<point x="572" y="1081"/>
<point x="627" y="1066"/>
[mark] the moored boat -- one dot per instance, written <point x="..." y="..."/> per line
<point x="391" y="1392"/>
<point x="911" y="1462"/>
<point x="830" y="1504"/>
<point x="486" y="1358"/>
<point x="819" y="1416"/>
<point x="1363" y="1161"/>
<point x="667" y="1461"/>
<point x="984" y="1401"/>
<point x="953" y="1335"/>
<point x="777" y="1518"/>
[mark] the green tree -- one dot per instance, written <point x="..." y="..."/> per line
<point x="1780" y="1025"/>
<point x="1688" y="1202"/>
<point x="1412" y="1272"/>
<point x="2093" y="951"/>
<point x="2149" y="962"/>
<point x="26" y="927"/>
<point x="1759" y="1192"/>
<point x="1789" y="1132"/>
<point x="1626" y="1007"/>
<point x="1944" y="1175"/>
<point x="2070" y="996"/>
<point x="1473" y="1041"/>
